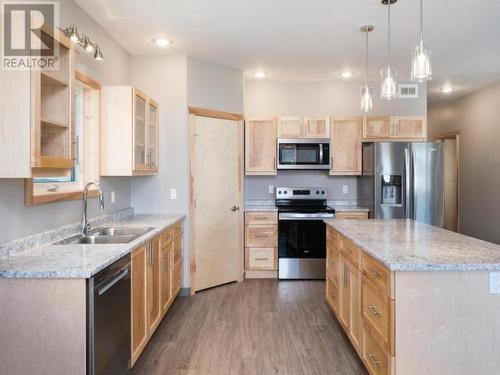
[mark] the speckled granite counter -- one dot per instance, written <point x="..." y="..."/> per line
<point x="406" y="245"/>
<point x="81" y="261"/>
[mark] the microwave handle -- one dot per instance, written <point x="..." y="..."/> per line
<point x="321" y="153"/>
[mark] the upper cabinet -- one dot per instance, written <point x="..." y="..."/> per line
<point x="35" y="114"/>
<point x="395" y="127"/>
<point x="260" y="146"/>
<point x="129" y="133"/>
<point x="303" y="127"/>
<point x="346" y="146"/>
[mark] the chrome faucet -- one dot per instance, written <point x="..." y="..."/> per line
<point x="85" y="223"/>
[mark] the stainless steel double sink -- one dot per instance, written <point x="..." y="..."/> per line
<point x="106" y="235"/>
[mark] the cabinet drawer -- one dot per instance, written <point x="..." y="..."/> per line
<point x="350" y="251"/>
<point x="332" y="293"/>
<point x="380" y="275"/>
<point x="360" y="215"/>
<point x="378" y="314"/>
<point x="261" y="235"/>
<point x="378" y="361"/>
<point x="261" y="259"/>
<point x="261" y="217"/>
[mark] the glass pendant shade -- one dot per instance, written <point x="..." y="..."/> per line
<point x="366" y="98"/>
<point x="421" y="69"/>
<point x="388" y="84"/>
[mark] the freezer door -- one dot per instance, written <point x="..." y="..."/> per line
<point x="428" y="183"/>
<point x="390" y="180"/>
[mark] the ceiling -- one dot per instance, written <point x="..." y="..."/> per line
<point x="315" y="40"/>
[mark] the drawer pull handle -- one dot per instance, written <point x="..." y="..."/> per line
<point x="262" y="236"/>
<point x="374" y="310"/>
<point x="374" y="272"/>
<point x="374" y="360"/>
<point x="261" y="258"/>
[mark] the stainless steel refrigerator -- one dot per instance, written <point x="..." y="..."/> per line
<point x="403" y="180"/>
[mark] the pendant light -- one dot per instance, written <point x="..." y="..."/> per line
<point x="421" y="69"/>
<point x="366" y="91"/>
<point x="388" y="76"/>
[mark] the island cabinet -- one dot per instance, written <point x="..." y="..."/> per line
<point x="355" y="215"/>
<point x="129" y="132"/>
<point x="394" y="128"/>
<point x="156" y="280"/>
<point x="260" y="146"/>
<point x="261" y="244"/>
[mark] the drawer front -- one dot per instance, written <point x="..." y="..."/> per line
<point x="261" y="235"/>
<point x="380" y="275"/>
<point x="332" y="293"/>
<point x="376" y="359"/>
<point x="261" y="217"/>
<point x="377" y="314"/>
<point x="261" y="259"/>
<point x="361" y="215"/>
<point x="350" y="251"/>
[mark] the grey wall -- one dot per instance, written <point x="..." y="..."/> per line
<point x="477" y="117"/>
<point x="263" y="99"/>
<point x="16" y="219"/>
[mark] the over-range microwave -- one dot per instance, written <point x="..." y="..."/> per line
<point x="312" y="153"/>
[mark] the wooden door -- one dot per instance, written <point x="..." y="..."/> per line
<point x="139" y="272"/>
<point x="410" y="127"/>
<point x="346" y="152"/>
<point x="139" y="131"/>
<point x="377" y="127"/>
<point x="216" y="198"/>
<point x="153" y="284"/>
<point x="260" y="146"/>
<point x="290" y="127"/>
<point x="152" y="136"/>
<point x="318" y="127"/>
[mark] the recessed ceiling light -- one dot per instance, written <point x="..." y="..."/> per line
<point x="346" y="74"/>
<point x="447" y="89"/>
<point x="260" y="74"/>
<point x="162" y="42"/>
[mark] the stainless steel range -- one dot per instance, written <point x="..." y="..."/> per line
<point x="302" y="232"/>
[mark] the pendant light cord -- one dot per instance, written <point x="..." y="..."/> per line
<point x="421" y="21"/>
<point x="389" y="35"/>
<point x="366" y="59"/>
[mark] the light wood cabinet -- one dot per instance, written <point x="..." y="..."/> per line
<point x="357" y="215"/>
<point x="129" y="132"/>
<point x="290" y="127"/>
<point x="303" y="127"/>
<point x="350" y="301"/>
<point x="394" y="128"/>
<point x="346" y="152"/>
<point x="260" y="146"/>
<point x="156" y="280"/>
<point x="261" y="242"/>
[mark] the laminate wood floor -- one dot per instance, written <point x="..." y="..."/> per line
<point x="254" y="327"/>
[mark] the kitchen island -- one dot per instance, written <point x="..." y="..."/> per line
<point x="415" y="299"/>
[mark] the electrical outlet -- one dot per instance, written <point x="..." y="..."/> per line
<point x="173" y="193"/>
<point x="345" y="189"/>
<point x="113" y="197"/>
<point x="270" y="189"/>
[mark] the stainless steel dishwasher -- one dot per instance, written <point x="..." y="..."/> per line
<point x="108" y="320"/>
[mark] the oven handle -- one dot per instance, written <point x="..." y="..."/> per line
<point x="287" y="216"/>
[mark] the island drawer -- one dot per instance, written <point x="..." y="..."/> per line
<point x="378" y="361"/>
<point x="377" y="312"/>
<point x="380" y="275"/>
<point x="261" y="258"/>
<point x="261" y="217"/>
<point x="261" y="235"/>
<point x="350" y="251"/>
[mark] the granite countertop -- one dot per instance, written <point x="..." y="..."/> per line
<point x="81" y="261"/>
<point x="406" y="245"/>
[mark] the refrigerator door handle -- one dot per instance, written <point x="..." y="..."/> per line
<point x="408" y="199"/>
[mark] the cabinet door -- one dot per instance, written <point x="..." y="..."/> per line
<point x="350" y="301"/>
<point x="139" y="271"/>
<point x="152" y="136"/>
<point x="377" y="127"/>
<point x="153" y="287"/>
<point x="345" y="293"/>
<point x="165" y="271"/>
<point x="290" y="127"/>
<point x="140" y="100"/>
<point x="317" y="127"/>
<point x="260" y="146"/>
<point x="407" y="127"/>
<point x="346" y="146"/>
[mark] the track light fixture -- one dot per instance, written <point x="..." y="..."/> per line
<point x="83" y="41"/>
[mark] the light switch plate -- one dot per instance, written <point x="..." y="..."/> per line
<point x="494" y="282"/>
<point x="270" y="189"/>
<point x="113" y="197"/>
<point x="173" y="193"/>
<point x="345" y="189"/>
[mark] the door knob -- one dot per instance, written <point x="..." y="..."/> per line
<point x="235" y="208"/>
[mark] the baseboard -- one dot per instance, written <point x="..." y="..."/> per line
<point x="185" y="292"/>
<point x="261" y="274"/>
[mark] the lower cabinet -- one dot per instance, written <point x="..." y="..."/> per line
<point x="156" y="281"/>
<point x="361" y="215"/>
<point x="360" y="292"/>
<point x="261" y="244"/>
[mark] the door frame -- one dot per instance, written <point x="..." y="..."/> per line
<point x="204" y="112"/>
<point x="453" y="134"/>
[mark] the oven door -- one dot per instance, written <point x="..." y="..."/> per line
<point x="303" y="154"/>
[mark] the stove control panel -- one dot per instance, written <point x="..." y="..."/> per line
<point x="300" y="193"/>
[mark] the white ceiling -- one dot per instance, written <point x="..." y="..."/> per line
<point x="300" y="40"/>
